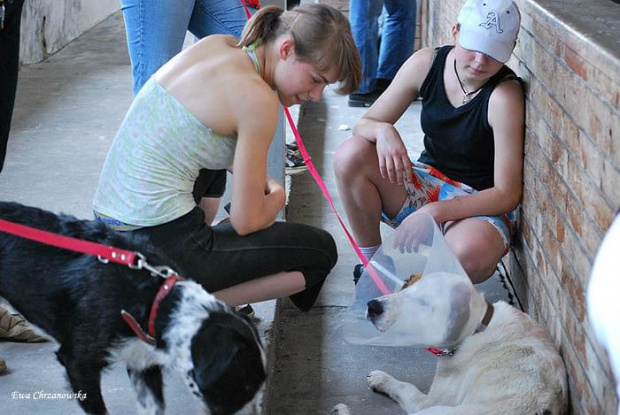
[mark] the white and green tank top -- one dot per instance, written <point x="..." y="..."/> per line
<point x="154" y="160"/>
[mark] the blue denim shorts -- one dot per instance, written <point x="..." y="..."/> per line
<point x="429" y="185"/>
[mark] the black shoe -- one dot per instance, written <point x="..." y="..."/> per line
<point x="383" y="84"/>
<point x="293" y="147"/>
<point x="357" y="272"/>
<point x="364" y="100"/>
<point x="294" y="162"/>
<point x="369" y="290"/>
<point x="247" y="310"/>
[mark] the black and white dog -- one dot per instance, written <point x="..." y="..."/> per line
<point x="78" y="300"/>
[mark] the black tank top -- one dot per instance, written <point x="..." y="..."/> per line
<point x="458" y="141"/>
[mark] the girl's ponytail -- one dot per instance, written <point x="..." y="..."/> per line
<point x="264" y="25"/>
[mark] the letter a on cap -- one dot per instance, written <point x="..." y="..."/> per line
<point x="493" y="20"/>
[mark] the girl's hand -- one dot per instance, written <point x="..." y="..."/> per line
<point x="416" y="229"/>
<point x="394" y="162"/>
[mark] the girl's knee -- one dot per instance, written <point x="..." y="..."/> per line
<point x="478" y="247"/>
<point x="352" y="154"/>
<point x="329" y="249"/>
<point x="478" y="265"/>
<point x="316" y="247"/>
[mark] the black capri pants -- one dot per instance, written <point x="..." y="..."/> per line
<point x="217" y="257"/>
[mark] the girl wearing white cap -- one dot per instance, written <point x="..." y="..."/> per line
<point x="469" y="176"/>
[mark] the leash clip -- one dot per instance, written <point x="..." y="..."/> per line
<point x="159" y="271"/>
<point x="441" y="352"/>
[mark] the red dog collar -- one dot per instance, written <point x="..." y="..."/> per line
<point x="149" y="338"/>
<point x="488" y="315"/>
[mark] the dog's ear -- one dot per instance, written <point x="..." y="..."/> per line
<point x="460" y="296"/>
<point x="212" y="357"/>
<point x="228" y="365"/>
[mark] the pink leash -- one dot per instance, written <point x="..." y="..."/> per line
<point x="317" y="177"/>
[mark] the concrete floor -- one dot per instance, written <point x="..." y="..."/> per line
<point x="67" y="112"/>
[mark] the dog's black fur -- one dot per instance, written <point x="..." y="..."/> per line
<point x="77" y="300"/>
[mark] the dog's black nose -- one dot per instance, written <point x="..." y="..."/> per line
<point x="375" y="308"/>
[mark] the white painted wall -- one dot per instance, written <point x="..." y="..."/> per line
<point x="49" y="25"/>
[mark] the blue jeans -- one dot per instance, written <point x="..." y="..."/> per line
<point x="156" y="29"/>
<point x="397" y="37"/>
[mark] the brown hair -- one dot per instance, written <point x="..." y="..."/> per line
<point x="322" y="36"/>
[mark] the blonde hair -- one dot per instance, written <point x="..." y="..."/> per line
<point x="322" y="36"/>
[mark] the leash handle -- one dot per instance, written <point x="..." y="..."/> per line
<point x="104" y="252"/>
<point x="253" y="3"/>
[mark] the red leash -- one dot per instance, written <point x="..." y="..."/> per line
<point x="105" y="253"/>
<point x="317" y="177"/>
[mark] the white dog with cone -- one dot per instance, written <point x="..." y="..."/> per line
<point x="493" y="358"/>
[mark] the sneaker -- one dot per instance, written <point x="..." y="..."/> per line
<point x="2" y="366"/>
<point x="386" y="261"/>
<point x="369" y="290"/>
<point x="247" y="310"/>
<point x="15" y="329"/>
<point x="364" y="100"/>
<point x="357" y="273"/>
<point x="294" y="162"/>
<point x="294" y="148"/>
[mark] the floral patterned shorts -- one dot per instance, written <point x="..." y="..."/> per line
<point x="430" y="185"/>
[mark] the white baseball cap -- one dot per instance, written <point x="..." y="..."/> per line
<point x="490" y="27"/>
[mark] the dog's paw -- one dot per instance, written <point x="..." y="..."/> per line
<point x="377" y="380"/>
<point x="340" y="409"/>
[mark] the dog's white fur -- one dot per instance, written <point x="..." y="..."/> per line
<point x="187" y="319"/>
<point x="511" y="367"/>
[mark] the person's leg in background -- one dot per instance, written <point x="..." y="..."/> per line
<point x="155" y="33"/>
<point x="397" y="39"/>
<point x="218" y="17"/>
<point x="364" y="18"/>
<point x="9" y="66"/>
<point x="12" y="326"/>
<point x="292" y="3"/>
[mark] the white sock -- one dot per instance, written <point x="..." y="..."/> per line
<point x="369" y="251"/>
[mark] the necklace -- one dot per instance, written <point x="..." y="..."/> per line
<point x="467" y="96"/>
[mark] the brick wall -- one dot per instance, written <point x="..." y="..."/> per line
<point x="569" y="57"/>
